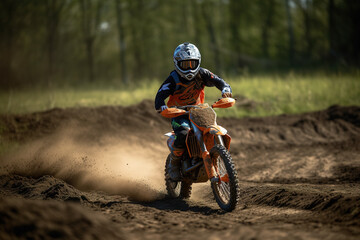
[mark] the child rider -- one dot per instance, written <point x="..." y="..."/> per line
<point x="185" y="86"/>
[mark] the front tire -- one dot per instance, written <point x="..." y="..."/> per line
<point x="227" y="191"/>
<point x="176" y="189"/>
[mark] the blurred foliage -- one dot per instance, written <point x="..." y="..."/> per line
<point x="75" y="42"/>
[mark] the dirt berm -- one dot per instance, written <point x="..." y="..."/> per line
<point x="97" y="173"/>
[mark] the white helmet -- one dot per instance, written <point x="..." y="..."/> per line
<point x="187" y="59"/>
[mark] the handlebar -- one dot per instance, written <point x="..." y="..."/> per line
<point x="185" y="107"/>
<point x="176" y="111"/>
<point x="182" y="107"/>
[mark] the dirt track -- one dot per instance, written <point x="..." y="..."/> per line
<point x="98" y="173"/>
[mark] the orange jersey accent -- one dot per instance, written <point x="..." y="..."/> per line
<point x="187" y="94"/>
<point x="183" y="92"/>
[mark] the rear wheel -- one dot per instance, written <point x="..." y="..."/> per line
<point x="176" y="189"/>
<point x="227" y="190"/>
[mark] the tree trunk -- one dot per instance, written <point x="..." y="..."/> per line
<point x="8" y="38"/>
<point x="235" y="12"/>
<point x="136" y="10"/>
<point x="309" y="42"/>
<point x="268" y="8"/>
<point x="88" y="37"/>
<point x="122" y="46"/>
<point x="353" y="8"/>
<point x="207" y="11"/>
<point x="332" y="29"/>
<point x="290" y="32"/>
<point x="306" y="9"/>
<point x="53" y="17"/>
<point x="197" y="25"/>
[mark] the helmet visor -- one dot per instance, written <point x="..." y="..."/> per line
<point x="188" y="64"/>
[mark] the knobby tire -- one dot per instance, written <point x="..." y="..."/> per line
<point x="220" y="151"/>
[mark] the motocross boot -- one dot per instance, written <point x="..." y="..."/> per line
<point x="175" y="163"/>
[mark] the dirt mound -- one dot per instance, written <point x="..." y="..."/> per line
<point x="100" y="121"/>
<point x="333" y="125"/>
<point x="348" y="114"/>
<point x="45" y="187"/>
<point x="34" y="219"/>
<point x="307" y="197"/>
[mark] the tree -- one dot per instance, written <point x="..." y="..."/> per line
<point x="353" y="8"/>
<point x="332" y="30"/>
<point x="267" y="8"/>
<point x="90" y="19"/>
<point x="290" y="32"/>
<point x="122" y="44"/>
<point x="8" y="10"/>
<point x="235" y="12"/>
<point x="136" y="25"/>
<point x="214" y="46"/>
<point x="53" y="12"/>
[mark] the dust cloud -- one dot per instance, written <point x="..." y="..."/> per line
<point x="110" y="164"/>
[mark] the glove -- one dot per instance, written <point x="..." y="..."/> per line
<point x="226" y="92"/>
<point x="163" y="107"/>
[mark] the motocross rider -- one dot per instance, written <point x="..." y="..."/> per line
<point x="185" y="86"/>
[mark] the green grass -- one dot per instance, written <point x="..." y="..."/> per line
<point x="295" y="94"/>
<point x="91" y="95"/>
<point x="273" y="95"/>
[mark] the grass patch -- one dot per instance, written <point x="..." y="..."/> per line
<point x="91" y="95"/>
<point x="273" y="95"/>
<point x="295" y="94"/>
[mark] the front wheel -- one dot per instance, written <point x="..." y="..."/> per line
<point x="227" y="190"/>
<point x="176" y="189"/>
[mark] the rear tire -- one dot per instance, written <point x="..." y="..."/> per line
<point x="226" y="193"/>
<point x="176" y="189"/>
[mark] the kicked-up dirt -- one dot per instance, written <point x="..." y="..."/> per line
<point x="97" y="173"/>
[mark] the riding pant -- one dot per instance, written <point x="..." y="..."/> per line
<point x="181" y="126"/>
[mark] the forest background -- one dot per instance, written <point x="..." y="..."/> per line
<point x="127" y="45"/>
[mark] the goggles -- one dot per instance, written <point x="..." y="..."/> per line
<point x="188" y="64"/>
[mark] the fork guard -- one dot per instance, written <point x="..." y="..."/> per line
<point x="216" y="130"/>
<point x="227" y="140"/>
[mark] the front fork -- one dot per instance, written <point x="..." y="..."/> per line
<point x="208" y="163"/>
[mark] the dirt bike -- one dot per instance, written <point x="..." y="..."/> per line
<point x="206" y="156"/>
